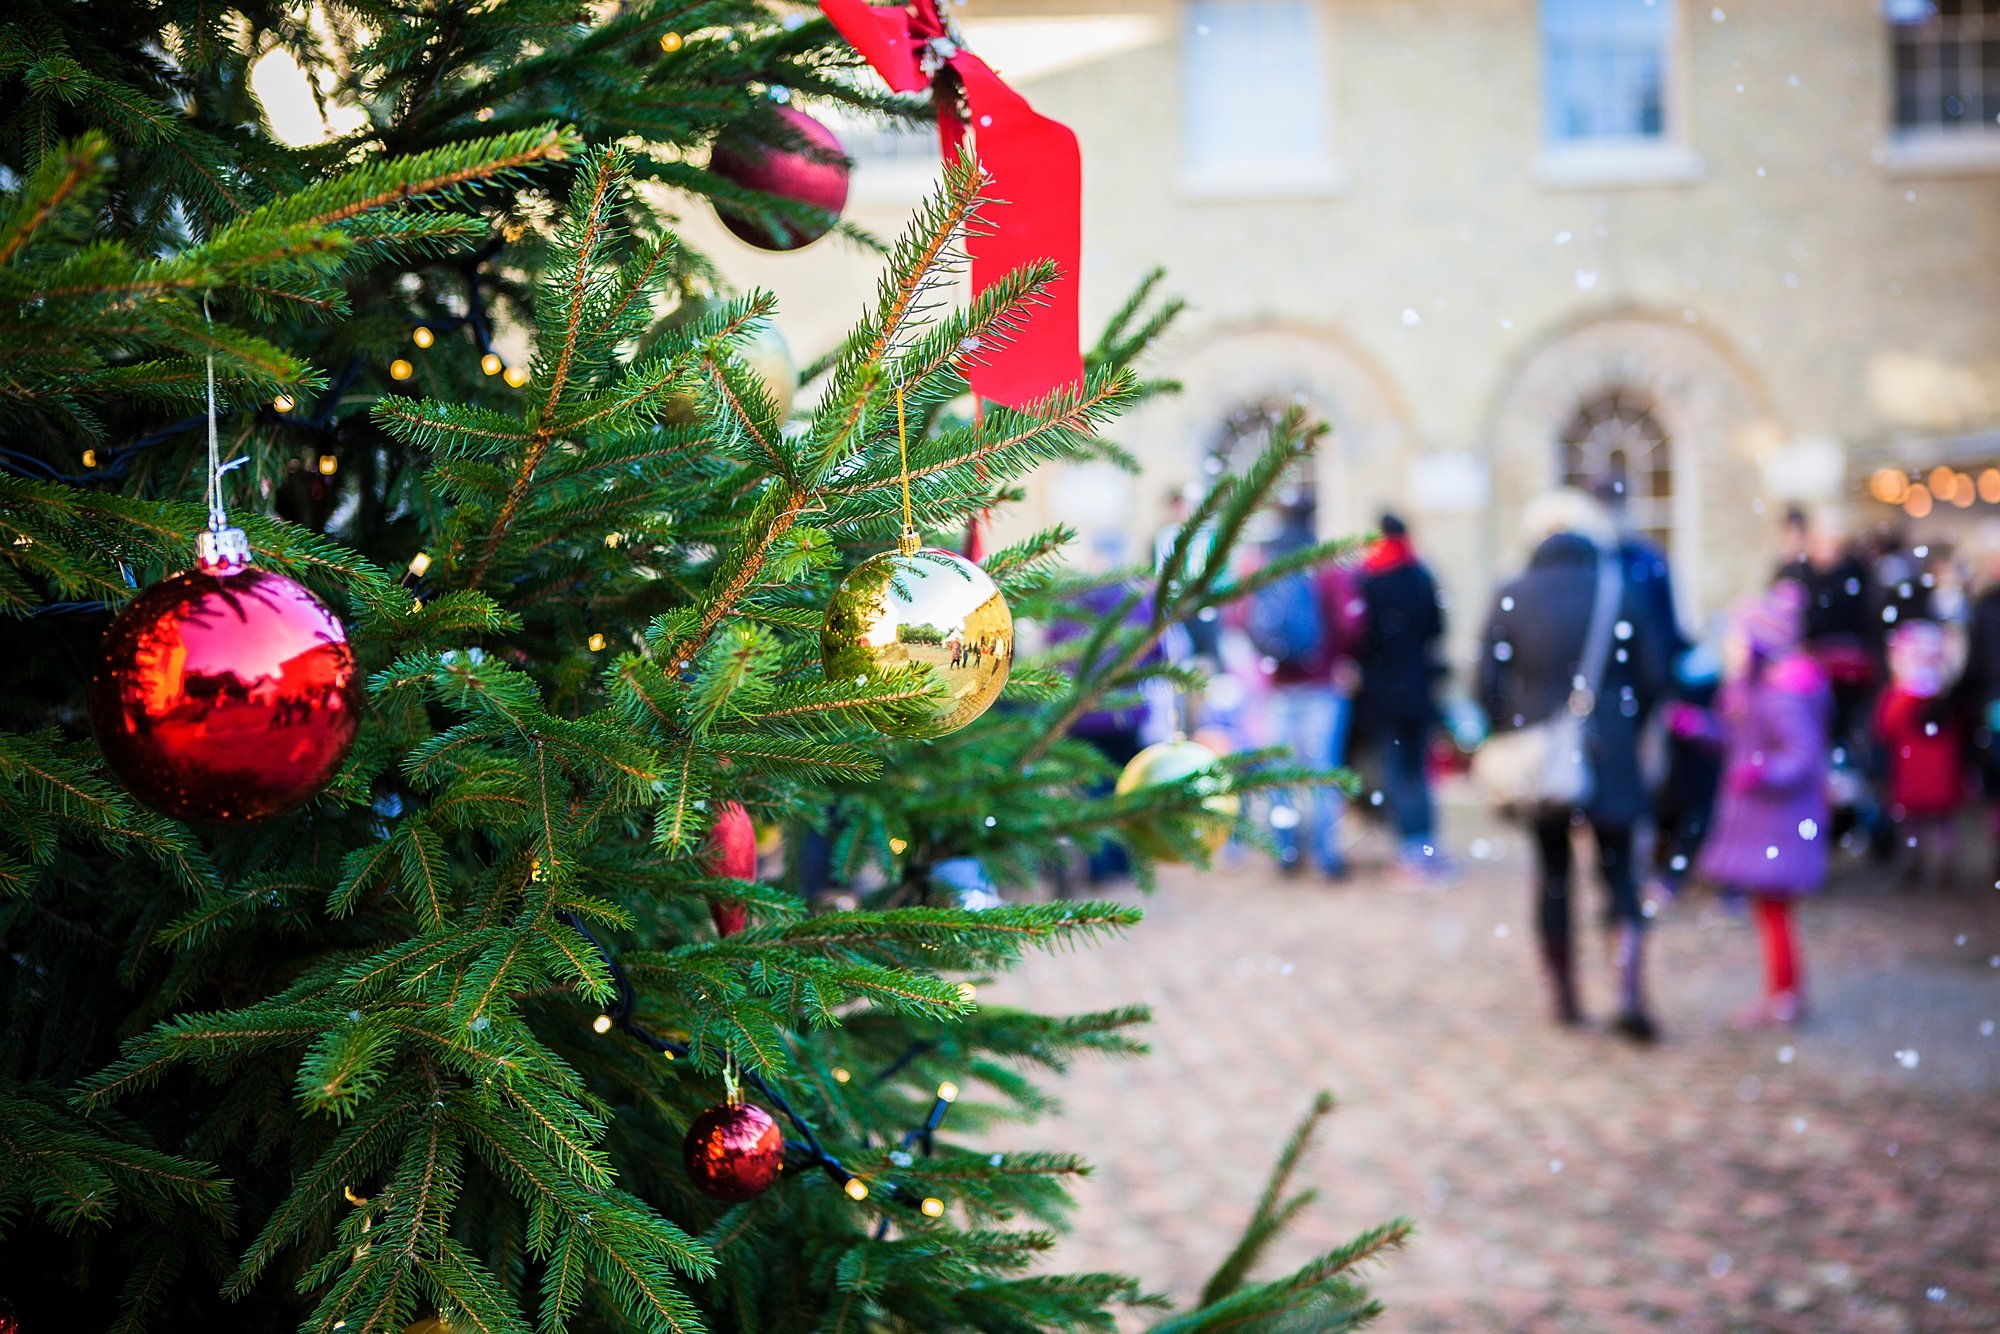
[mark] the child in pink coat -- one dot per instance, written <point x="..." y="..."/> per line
<point x="1770" y="833"/>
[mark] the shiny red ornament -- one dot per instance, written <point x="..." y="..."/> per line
<point x="814" y="174"/>
<point x="731" y="853"/>
<point x="225" y="693"/>
<point x="734" y="1152"/>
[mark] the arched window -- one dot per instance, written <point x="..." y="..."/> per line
<point x="1614" y="439"/>
<point x="1241" y="436"/>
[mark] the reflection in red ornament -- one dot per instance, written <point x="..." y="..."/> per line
<point x="734" y="1151"/>
<point x="225" y="695"/>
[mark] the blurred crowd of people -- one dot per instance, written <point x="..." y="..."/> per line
<point x="1852" y="704"/>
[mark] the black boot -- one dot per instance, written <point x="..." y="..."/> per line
<point x="1633" y="1021"/>
<point x="1558" y="959"/>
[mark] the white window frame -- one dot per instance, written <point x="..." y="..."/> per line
<point x="1317" y="176"/>
<point x="1969" y="148"/>
<point x="1666" y="159"/>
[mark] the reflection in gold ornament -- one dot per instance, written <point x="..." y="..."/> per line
<point x="928" y="608"/>
<point x="1917" y="502"/>
<point x="1170" y="762"/>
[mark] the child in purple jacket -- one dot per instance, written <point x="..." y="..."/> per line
<point x="1769" y="837"/>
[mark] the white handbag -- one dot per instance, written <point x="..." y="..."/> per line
<point x="1545" y="765"/>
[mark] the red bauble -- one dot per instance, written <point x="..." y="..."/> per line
<point x="731" y="852"/>
<point x="225" y="693"/>
<point x="814" y="174"/>
<point x="734" y="1152"/>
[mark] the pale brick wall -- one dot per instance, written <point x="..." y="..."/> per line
<point x="1826" y="303"/>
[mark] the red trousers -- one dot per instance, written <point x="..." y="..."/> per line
<point x="1774" y="927"/>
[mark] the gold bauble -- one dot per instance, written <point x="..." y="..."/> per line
<point x="927" y="608"/>
<point x="1170" y="762"/>
<point x="763" y="352"/>
<point x="429" y="1325"/>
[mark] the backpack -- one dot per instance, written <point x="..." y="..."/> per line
<point x="1285" y="623"/>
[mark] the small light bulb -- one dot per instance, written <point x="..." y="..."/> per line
<point x="90" y="458"/>
<point x="596" y="643"/>
<point x="671" y="42"/>
<point x="613" y="539"/>
<point x="490" y="363"/>
<point x="933" y="1207"/>
<point x="898" y="845"/>
<point x="970" y="992"/>
<point x="283" y="403"/>
<point x="400" y="369"/>
<point x="857" y="1189"/>
<point x="840" y="1076"/>
<point x="328" y="465"/>
<point x="947" y="1092"/>
<point x="422" y="335"/>
<point x="515" y="376"/>
<point x="419" y="563"/>
<point x="483" y="114"/>
<point x="602" y="1023"/>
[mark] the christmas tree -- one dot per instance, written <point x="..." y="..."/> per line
<point x="429" y="1045"/>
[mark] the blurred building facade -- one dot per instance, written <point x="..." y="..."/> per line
<point x="1740" y="254"/>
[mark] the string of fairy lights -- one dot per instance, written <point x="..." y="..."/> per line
<point x="108" y="466"/>
<point x="815" y="1154"/>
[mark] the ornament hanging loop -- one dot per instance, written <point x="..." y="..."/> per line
<point x="220" y="549"/>
<point x="732" y="1087"/>
<point x="909" y="541"/>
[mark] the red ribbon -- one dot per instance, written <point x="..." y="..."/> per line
<point x="1036" y="191"/>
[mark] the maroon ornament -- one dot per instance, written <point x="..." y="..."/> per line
<point x="814" y="174"/>
<point x="225" y="692"/>
<point x="734" y="1151"/>
<point x="732" y="853"/>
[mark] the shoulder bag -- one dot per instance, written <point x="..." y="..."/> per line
<point x="1546" y="765"/>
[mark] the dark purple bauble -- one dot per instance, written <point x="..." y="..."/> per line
<point x="225" y="693"/>
<point x="734" y="1153"/>
<point x="815" y="174"/>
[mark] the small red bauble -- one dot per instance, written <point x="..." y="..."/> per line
<point x="732" y="853"/>
<point x="815" y="174"/>
<point x="734" y="1152"/>
<point x="225" y="693"/>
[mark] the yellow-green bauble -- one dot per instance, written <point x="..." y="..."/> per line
<point x="1170" y="762"/>
<point x="763" y="352"/>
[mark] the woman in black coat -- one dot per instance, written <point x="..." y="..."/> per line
<point x="1530" y="661"/>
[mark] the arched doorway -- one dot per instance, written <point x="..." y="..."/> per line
<point x="1670" y="412"/>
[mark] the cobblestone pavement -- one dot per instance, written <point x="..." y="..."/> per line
<point x="1845" y="1177"/>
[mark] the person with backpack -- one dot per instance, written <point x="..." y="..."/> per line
<point x="1302" y="627"/>
<point x="1402" y="621"/>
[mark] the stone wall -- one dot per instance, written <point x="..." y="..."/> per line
<point x="1793" y="295"/>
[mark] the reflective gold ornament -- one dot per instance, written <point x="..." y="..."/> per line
<point x="1170" y="762"/>
<point x="763" y="352"/>
<point x="922" y="607"/>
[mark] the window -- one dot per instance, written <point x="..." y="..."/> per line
<point x="1604" y="69"/>
<point x="1255" y="99"/>
<point x="1239" y="441"/>
<point x="1947" y="62"/>
<point x="1614" y="439"/>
